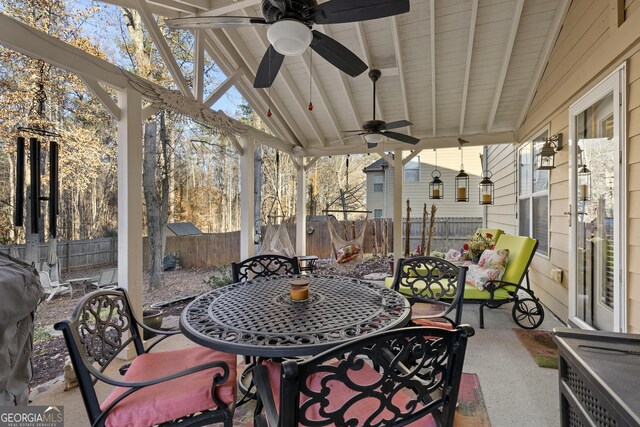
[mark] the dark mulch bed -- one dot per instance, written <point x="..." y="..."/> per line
<point x="48" y="360"/>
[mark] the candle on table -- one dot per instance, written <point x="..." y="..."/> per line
<point x="299" y="290"/>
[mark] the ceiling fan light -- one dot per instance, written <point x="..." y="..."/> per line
<point x="289" y="37"/>
<point x="374" y="138"/>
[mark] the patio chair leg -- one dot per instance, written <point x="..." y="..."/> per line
<point x="482" y="304"/>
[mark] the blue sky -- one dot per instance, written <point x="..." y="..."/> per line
<point x="105" y="28"/>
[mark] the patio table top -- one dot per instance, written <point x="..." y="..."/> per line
<point x="258" y="318"/>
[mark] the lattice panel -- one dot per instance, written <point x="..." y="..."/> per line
<point x="589" y="401"/>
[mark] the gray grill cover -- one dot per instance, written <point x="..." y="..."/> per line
<point x="20" y="293"/>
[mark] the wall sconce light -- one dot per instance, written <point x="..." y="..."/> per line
<point x="584" y="184"/>
<point x="436" y="186"/>
<point x="462" y="179"/>
<point x="485" y="190"/>
<point x="545" y="160"/>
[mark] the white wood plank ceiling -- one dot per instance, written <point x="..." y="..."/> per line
<point x="455" y="68"/>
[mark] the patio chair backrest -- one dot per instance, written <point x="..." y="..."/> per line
<point x="521" y="252"/>
<point x="400" y="375"/>
<point x="263" y="266"/>
<point x="432" y="280"/>
<point x="45" y="281"/>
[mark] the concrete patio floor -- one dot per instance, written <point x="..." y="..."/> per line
<point x="516" y="391"/>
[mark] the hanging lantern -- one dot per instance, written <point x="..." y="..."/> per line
<point x="462" y="179"/>
<point x="584" y="184"/>
<point x="485" y="190"/>
<point x="546" y="158"/>
<point x="436" y="186"/>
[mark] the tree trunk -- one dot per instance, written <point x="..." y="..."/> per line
<point x="424" y="231"/>
<point x="153" y="205"/>
<point x="407" y="231"/>
<point x="164" y="182"/>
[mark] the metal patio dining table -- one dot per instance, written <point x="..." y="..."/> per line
<point x="258" y="318"/>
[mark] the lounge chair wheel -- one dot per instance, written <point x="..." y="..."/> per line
<point x="527" y="313"/>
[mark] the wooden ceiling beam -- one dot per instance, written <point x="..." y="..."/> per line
<point x="224" y="87"/>
<point x="432" y="31"/>
<point x="163" y="47"/>
<point x="198" y="65"/>
<point x="515" y="23"/>
<point x="467" y="70"/>
<point x="223" y="7"/>
<point x="395" y="32"/>
<point x="156" y="10"/>
<point x="552" y="36"/>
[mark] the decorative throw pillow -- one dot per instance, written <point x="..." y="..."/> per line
<point x="347" y="253"/>
<point x="478" y="276"/>
<point x="452" y="255"/>
<point x="494" y="259"/>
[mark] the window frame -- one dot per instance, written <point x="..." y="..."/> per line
<point x="381" y="176"/>
<point x="530" y="194"/>
<point x="375" y="211"/>
<point x="416" y="159"/>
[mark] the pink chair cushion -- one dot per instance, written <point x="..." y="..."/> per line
<point x="433" y="323"/>
<point x="340" y="394"/>
<point x="172" y="399"/>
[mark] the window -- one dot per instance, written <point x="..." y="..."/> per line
<point x="377" y="213"/>
<point x="412" y="170"/>
<point x="378" y="183"/>
<point x="533" y="209"/>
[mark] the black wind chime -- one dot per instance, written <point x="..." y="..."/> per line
<point x="39" y="129"/>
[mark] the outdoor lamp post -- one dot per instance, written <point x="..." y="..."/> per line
<point x="584" y="184"/>
<point x="546" y="158"/>
<point x="485" y="190"/>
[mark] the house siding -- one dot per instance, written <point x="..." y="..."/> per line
<point x="502" y="163"/>
<point x="588" y="49"/>
<point x="418" y="192"/>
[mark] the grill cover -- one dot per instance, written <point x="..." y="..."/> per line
<point x="20" y="293"/>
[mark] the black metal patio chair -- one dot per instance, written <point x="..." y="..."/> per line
<point x="263" y="266"/>
<point x="393" y="378"/>
<point x="436" y="285"/>
<point x="193" y="386"/>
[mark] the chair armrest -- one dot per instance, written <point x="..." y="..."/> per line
<point x="165" y="335"/>
<point x="263" y="385"/>
<point x="140" y="384"/>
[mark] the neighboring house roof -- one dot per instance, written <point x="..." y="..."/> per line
<point x="377" y="166"/>
<point x="184" y="229"/>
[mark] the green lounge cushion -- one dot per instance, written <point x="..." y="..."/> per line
<point x="520" y="250"/>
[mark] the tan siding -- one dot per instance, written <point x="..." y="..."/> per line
<point x="630" y="7"/>
<point x="502" y="161"/>
<point x="586" y="51"/>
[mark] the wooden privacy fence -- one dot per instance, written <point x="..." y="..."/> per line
<point x="223" y="248"/>
<point x="449" y="233"/>
<point x="75" y="254"/>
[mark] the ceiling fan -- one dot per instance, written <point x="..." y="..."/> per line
<point x="375" y="130"/>
<point x="291" y="30"/>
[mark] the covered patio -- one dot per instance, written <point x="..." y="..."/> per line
<point x="497" y="74"/>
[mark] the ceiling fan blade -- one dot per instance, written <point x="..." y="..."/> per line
<point x="401" y="137"/>
<point x="268" y="69"/>
<point x="340" y="11"/>
<point x="398" y="124"/>
<point x="337" y="54"/>
<point x="213" y="22"/>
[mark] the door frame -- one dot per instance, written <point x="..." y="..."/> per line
<point x="616" y="83"/>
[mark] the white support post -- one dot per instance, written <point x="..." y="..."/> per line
<point x="247" y="196"/>
<point x="398" y="169"/>
<point x="301" y="208"/>
<point x="130" y="196"/>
